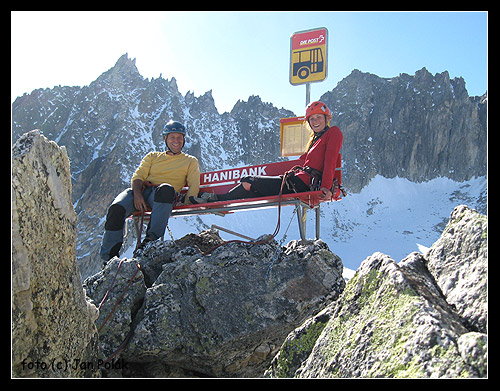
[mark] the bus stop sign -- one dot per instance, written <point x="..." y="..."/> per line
<point x="308" y="56"/>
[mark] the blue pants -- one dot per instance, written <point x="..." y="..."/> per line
<point x="160" y="199"/>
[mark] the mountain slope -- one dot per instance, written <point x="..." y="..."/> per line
<point x="416" y="127"/>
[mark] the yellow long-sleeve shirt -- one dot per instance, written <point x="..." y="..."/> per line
<point x="158" y="168"/>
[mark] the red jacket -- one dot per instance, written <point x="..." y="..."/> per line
<point x="323" y="157"/>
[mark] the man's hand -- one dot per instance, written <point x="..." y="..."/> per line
<point x="327" y="194"/>
<point x="139" y="201"/>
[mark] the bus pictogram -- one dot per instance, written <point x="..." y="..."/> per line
<point x="306" y="62"/>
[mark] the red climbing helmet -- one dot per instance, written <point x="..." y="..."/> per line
<point x="317" y="108"/>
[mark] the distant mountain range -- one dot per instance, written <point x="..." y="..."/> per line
<point x="415" y="127"/>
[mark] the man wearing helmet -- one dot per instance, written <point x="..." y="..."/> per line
<point x="155" y="184"/>
<point x="319" y="163"/>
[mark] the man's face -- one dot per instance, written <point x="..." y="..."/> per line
<point x="175" y="141"/>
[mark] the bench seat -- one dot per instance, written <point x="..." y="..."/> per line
<point x="222" y="181"/>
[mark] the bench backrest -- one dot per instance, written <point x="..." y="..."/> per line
<point x="222" y="181"/>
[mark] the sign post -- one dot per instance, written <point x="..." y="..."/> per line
<point x="309" y="58"/>
<point x="308" y="64"/>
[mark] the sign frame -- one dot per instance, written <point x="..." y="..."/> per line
<point x="294" y="127"/>
<point x="308" y="56"/>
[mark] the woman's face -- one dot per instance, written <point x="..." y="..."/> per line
<point x="317" y="122"/>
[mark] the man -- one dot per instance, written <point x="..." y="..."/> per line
<point x="154" y="185"/>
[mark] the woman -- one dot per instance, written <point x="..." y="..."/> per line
<point x="319" y="162"/>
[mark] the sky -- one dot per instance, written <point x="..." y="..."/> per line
<point x="239" y="54"/>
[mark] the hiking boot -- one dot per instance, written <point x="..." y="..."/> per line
<point x="204" y="198"/>
<point x="145" y="241"/>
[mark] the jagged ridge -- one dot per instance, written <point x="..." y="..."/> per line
<point x="417" y="127"/>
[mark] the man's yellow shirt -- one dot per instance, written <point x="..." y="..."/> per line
<point x="176" y="170"/>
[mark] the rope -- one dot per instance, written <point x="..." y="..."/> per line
<point x="139" y="234"/>
<point x="278" y="225"/>
<point x="121" y="296"/>
<point x="124" y="343"/>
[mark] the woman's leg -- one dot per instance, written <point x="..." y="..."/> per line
<point x="262" y="186"/>
<point x="236" y="193"/>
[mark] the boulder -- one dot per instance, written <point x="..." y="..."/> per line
<point x="458" y="260"/>
<point x="53" y="328"/>
<point x="422" y="317"/>
<point x="220" y="315"/>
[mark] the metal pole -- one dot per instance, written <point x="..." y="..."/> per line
<point x="318" y="218"/>
<point x="308" y="93"/>
<point x="303" y="218"/>
<point x="233" y="233"/>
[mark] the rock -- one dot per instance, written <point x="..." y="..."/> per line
<point x="402" y="320"/>
<point x="52" y="322"/>
<point x="459" y="262"/>
<point x="222" y="315"/>
<point x="119" y="277"/>
<point x="298" y="345"/>
<point x="473" y="349"/>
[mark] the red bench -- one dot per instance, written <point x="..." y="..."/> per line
<point x="222" y="181"/>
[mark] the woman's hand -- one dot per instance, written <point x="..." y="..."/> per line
<point x="327" y="194"/>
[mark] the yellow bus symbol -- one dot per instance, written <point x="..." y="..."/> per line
<point x="307" y="62"/>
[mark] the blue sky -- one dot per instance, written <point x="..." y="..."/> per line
<point x="238" y="54"/>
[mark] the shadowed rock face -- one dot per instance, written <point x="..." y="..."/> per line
<point x="416" y="127"/>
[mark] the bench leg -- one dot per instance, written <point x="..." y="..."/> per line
<point x="302" y="220"/>
<point x="137" y="223"/>
<point x="317" y="222"/>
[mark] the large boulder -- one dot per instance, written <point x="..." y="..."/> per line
<point x="458" y="260"/>
<point x="53" y="327"/>
<point x="423" y="317"/>
<point x="224" y="314"/>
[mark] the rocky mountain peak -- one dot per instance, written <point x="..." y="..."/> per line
<point x="204" y="103"/>
<point x="124" y="75"/>
<point x="417" y="127"/>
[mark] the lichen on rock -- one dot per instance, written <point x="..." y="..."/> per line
<point x="402" y="319"/>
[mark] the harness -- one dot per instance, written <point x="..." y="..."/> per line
<point x="316" y="177"/>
